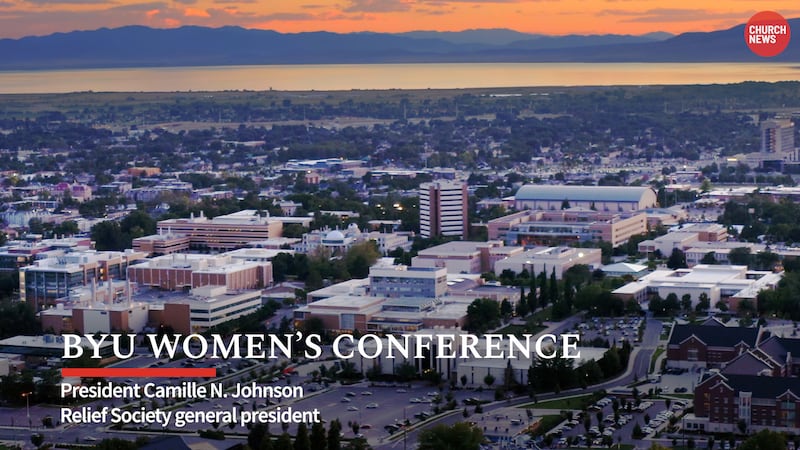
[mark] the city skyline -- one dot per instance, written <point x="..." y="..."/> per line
<point x="20" y="18"/>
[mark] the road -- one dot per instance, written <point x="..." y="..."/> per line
<point x="636" y="370"/>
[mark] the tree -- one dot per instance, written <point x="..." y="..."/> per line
<point x="360" y="257"/>
<point x="66" y="228"/>
<point x="482" y="315"/>
<point x="739" y="256"/>
<point x="703" y="303"/>
<point x="108" y="236"/>
<point x="301" y="440"/>
<point x="708" y="258"/>
<point x="459" y="436"/>
<point x="284" y="442"/>
<point x="764" y="439"/>
<point x="637" y="432"/>
<point x="677" y="260"/>
<point x="37" y="439"/>
<point x="317" y="438"/>
<point x="489" y="380"/>
<point x="533" y="302"/>
<point x="522" y="309"/>
<point x="505" y="308"/>
<point x="334" y="435"/>
<point x="686" y="302"/>
<point x="257" y="434"/>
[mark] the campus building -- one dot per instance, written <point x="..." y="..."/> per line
<point x="547" y="259"/>
<point x="709" y="345"/>
<point x="189" y="271"/>
<point x="210" y="306"/>
<point x="20" y="253"/>
<point x="465" y="256"/>
<point x="404" y="281"/>
<point x="443" y="209"/>
<point x="562" y="227"/>
<point x="223" y="233"/>
<point x="724" y="401"/>
<point x="730" y="284"/>
<point x="49" y="280"/>
<point x="600" y="198"/>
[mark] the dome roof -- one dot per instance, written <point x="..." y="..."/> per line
<point x="584" y="193"/>
<point x="334" y="235"/>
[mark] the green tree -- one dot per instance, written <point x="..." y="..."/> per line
<point x="334" y="435"/>
<point x="317" y="438"/>
<point x="37" y="439"/>
<point x="740" y="256"/>
<point x="522" y="308"/>
<point x="301" y="440"/>
<point x="677" y="260"/>
<point x="506" y="309"/>
<point x="459" y="436"/>
<point x="764" y="439"/>
<point x="66" y="228"/>
<point x="108" y="235"/>
<point x="686" y="302"/>
<point x="360" y="257"/>
<point x="284" y="442"/>
<point x="258" y="433"/>
<point x="482" y="315"/>
<point x="708" y="258"/>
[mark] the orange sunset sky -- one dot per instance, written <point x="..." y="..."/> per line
<point x="38" y="17"/>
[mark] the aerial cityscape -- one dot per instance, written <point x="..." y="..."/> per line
<point x="225" y="225"/>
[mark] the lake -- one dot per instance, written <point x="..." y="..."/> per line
<point x="388" y="76"/>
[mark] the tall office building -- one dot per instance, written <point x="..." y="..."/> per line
<point x="443" y="209"/>
<point x="777" y="142"/>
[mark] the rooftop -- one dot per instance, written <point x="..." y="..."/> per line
<point x="582" y="193"/>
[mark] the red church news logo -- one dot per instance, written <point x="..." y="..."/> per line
<point x="767" y="34"/>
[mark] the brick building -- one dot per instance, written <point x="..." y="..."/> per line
<point x="722" y="401"/>
<point x="709" y="345"/>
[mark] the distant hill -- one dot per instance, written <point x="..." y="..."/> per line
<point x="138" y="46"/>
<point x="488" y="37"/>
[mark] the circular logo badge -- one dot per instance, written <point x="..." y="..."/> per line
<point x="767" y="34"/>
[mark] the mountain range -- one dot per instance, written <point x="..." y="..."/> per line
<point x="139" y="46"/>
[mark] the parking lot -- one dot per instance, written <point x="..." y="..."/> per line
<point x="601" y="425"/>
<point x="612" y="330"/>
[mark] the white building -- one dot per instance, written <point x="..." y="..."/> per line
<point x="546" y="259"/>
<point x="443" y="209"/>
<point x="210" y="306"/>
<point x="730" y="283"/>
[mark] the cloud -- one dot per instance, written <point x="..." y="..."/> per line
<point x="377" y="6"/>
<point x="312" y="6"/>
<point x="67" y="2"/>
<point x="285" y="16"/>
<point x="662" y="15"/>
<point x="186" y="2"/>
<point x="133" y="7"/>
<point x="195" y="12"/>
<point x="232" y="2"/>
<point x="6" y="5"/>
<point x="433" y="12"/>
<point x="491" y="1"/>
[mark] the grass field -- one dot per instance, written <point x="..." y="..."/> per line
<point x="563" y="403"/>
<point x="659" y="351"/>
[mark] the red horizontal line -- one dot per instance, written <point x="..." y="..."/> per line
<point x="135" y="372"/>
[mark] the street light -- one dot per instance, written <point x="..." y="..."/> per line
<point x="27" y="396"/>
<point x="405" y="427"/>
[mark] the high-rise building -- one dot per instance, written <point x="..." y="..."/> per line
<point x="777" y="136"/>
<point x="443" y="209"/>
<point x="777" y="143"/>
